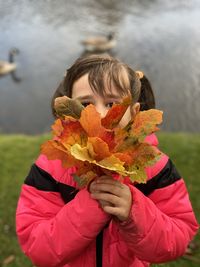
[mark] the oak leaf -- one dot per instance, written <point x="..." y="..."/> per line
<point x="69" y="107"/>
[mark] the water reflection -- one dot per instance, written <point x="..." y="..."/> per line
<point x="162" y="38"/>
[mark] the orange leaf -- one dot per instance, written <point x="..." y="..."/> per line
<point x="54" y="150"/>
<point x="73" y="133"/>
<point x="115" y="114"/>
<point x="126" y="143"/>
<point x="91" y="121"/>
<point x="142" y="154"/>
<point x="97" y="149"/>
<point x="125" y="157"/>
<point x="120" y="139"/>
<point x="145" y="123"/>
<point x="100" y="147"/>
<point x="57" y="128"/>
<point x="83" y="167"/>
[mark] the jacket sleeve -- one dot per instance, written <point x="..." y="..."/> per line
<point x="52" y="233"/>
<point x="161" y="224"/>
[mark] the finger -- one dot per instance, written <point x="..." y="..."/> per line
<point x="92" y="187"/>
<point x="116" y="211"/>
<point x="109" y="181"/>
<point x="104" y="203"/>
<point x="114" y="200"/>
<point x="105" y="177"/>
<point x="109" y="188"/>
<point x="94" y="182"/>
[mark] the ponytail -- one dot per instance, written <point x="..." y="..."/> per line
<point x="146" y="98"/>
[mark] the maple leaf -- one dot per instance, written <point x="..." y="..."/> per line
<point x="57" y="128"/>
<point x="99" y="146"/>
<point x="138" y="174"/>
<point x="90" y="120"/>
<point x="143" y="154"/>
<point x="84" y="154"/>
<point x="108" y="136"/>
<point x="125" y="142"/>
<point x="66" y="106"/>
<point x="83" y="167"/>
<point x="111" y="163"/>
<point x="72" y="133"/>
<point x="115" y="114"/>
<point x="125" y="157"/>
<point x="55" y="150"/>
<point x="84" y="179"/>
<point x="145" y="123"/>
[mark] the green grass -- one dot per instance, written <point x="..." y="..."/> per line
<point x="18" y="152"/>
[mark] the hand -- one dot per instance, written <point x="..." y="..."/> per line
<point x="115" y="197"/>
<point x="93" y="190"/>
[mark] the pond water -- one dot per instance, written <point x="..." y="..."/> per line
<point x="161" y="38"/>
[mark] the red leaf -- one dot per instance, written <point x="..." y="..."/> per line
<point x="115" y="114"/>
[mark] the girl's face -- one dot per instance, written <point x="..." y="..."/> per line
<point x="82" y="91"/>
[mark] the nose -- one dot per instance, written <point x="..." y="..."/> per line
<point x="102" y="110"/>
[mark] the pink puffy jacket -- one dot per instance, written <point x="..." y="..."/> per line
<point x="58" y="226"/>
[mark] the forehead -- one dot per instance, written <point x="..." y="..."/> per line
<point x="81" y="87"/>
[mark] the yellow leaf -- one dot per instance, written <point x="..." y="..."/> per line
<point x="112" y="163"/>
<point x="81" y="153"/>
<point x="138" y="175"/>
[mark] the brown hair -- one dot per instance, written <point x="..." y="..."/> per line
<point x="105" y="70"/>
<point x="146" y="98"/>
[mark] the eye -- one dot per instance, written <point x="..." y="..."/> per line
<point x="85" y="104"/>
<point x="109" y="105"/>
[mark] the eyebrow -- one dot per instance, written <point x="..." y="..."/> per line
<point x="85" y="97"/>
<point x="111" y="96"/>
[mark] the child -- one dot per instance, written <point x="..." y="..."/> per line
<point x="110" y="223"/>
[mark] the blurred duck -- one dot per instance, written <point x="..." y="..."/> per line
<point x="9" y="66"/>
<point x="99" y="43"/>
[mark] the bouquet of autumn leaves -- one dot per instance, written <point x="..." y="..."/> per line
<point x="98" y="146"/>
